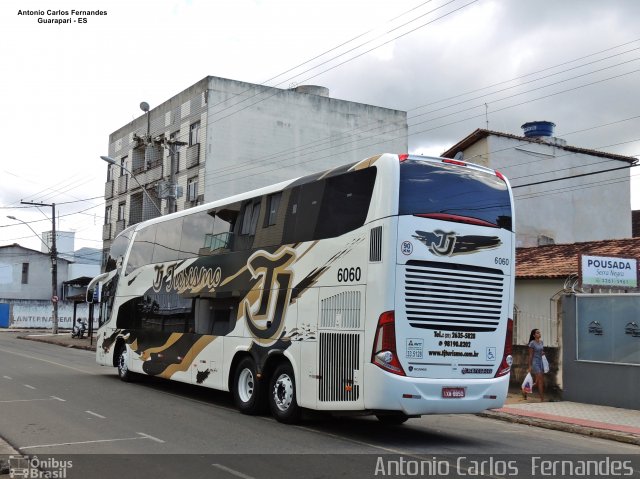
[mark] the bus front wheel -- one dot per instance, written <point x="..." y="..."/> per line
<point x="123" y="364"/>
<point x="247" y="389"/>
<point x="282" y="395"/>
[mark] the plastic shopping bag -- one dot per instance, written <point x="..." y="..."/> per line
<point x="545" y="364"/>
<point x="527" y="384"/>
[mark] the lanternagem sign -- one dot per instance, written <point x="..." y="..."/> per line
<point x="609" y="272"/>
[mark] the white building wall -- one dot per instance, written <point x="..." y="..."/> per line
<point x="272" y="135"/>
<point x="536" y="306"/>
<point x="588" y="208"/>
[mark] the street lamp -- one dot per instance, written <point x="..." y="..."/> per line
<point x="111" y="161"/>
<point x="54" y="266"/>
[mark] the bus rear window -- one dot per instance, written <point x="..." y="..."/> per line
<point x="453" y="193"/>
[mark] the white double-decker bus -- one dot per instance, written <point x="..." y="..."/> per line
<point x="381" y="287"/>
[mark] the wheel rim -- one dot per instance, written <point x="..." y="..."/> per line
<point x="283" y="392"/>
<point x="245" y="385"/>
<point x="122" y="363"/>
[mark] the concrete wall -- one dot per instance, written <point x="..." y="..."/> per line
<point x="251" y="136"/>
<point x="537" y="307"/>
<point x="39" y="277"/>
<point x="567" y="211"/>
<point x="608" y="384"/>
<point x="38" y="314"/>
<point x="272" y="135"/>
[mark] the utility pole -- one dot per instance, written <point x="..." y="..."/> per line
<point x="168" y="190"/>
<point x="54" y="263"/>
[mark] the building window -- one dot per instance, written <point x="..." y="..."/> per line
<point x="107" y="215"/>
<point x="192" y="189"/>
<point x="109" y="173"/>
<point x="25" y="273"/>
<point x="194" y="133"/>
<point x="123" y="165"/>
<point x="272" y="209"/>
<point x="121" y="211"/>
<point x="250" y="218"/>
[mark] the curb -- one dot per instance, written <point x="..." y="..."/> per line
<point x="564" y="426"/>
<point x="49" y="340"/>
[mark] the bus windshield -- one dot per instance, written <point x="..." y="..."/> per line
<point x="454" y="193"/>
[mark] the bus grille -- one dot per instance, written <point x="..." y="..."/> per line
<point x="453" y="297"/>
<point x="341" y="311"/>
<point x="339" y="358"/>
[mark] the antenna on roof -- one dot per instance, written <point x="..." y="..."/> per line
<point x="486" y="114"/>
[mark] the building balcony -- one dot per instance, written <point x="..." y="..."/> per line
<point x="150" y="175"/>
<point x="120" y="226"/>
<point x="193" y="155"/>
<point x="123" y="184"/>
<point x="108" y="189"/>
<point x="106" y="232"/>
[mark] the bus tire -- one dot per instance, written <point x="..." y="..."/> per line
<point x="122" y="363"/>
<point x="282" y="395"/>
<point x="392" y="419"/>
<point x="247" y="388"/>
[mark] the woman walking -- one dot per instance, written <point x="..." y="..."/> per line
<point x="536" y="368"/>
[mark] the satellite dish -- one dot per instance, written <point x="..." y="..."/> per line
<point x="144" y="106"/>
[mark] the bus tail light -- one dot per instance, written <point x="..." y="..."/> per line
<point x="384" y="354"/>
<point x="403" y="157"/>
<point x="507" y="359"/>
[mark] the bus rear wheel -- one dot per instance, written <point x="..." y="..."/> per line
<point x="282" y="395"/>
<point x="247" y="388"/>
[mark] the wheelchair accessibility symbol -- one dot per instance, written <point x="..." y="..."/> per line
<point x="491" y="354"/>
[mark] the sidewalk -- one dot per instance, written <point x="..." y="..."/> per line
<point x="605" y="422"/>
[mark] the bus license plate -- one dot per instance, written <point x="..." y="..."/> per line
<point x="452" y="393"/>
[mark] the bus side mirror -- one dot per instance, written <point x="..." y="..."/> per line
<point x="94" y="294"/>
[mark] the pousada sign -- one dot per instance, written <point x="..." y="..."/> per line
<point x="609" y="272"/>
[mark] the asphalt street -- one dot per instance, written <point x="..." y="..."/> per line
<point x="58" y="401"/>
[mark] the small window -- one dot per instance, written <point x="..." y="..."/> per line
<point x="109" y="172"/>
<point x="123" y="165"/>
<point x="107" y="215"/>
<point x="272" y="209"/>
<point x="194" y="133"/>
<point x="192" y="189"/>
<point x="250" y="218"/>
<point x="121" y="211"/>
<point x="25" y="273"/>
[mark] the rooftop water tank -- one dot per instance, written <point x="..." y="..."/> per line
<point x="536" y="129"/>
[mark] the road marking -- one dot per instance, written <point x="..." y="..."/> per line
<point x="151" y="437"/>
<point x="59" y="399"/>
<point x="232" y="471"/>
<point x="142" y="436"/>
<point x="50" y="398"/>
<point x="27" y="386"/>
<point x="7" y="377"/>
<point x="96" y="414"/>
<point x="46" y="361"/>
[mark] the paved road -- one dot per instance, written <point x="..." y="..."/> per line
<point x="57" y="401"/>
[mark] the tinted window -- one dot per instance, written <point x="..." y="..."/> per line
<point x="438" y="188"/>
<point x="345" y="203"/>
<point x="196" y="229"/>
<point x="142" y="250"/>
<point x="168" y="238"/>
<point x="329" y="207"/>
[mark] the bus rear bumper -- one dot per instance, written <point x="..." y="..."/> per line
<point x="416" y="396"/>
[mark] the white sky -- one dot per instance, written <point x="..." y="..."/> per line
<point x="65" y="88"/>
